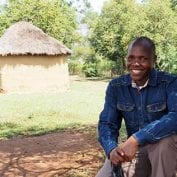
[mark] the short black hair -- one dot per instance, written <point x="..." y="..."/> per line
<point x="145" y="41"/>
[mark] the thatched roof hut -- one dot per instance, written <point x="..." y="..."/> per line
<point x="27" y="54"/>
<point x="23" y="38"/>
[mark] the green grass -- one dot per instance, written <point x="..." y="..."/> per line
<point x="39" y="113"/>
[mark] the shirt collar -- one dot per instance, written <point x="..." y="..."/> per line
<point x="134" y="85"/>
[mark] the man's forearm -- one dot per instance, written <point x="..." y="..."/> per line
<point x="158" y="129"/>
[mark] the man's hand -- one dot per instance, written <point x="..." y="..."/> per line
<point x="129" y="147"/>
<point x="126" y="152"/>
<point x="117" y="156"/>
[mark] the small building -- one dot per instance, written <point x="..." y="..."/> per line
<point x="32" y="61"/>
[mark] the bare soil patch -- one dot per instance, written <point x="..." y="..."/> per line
<point x="66" y="154"/>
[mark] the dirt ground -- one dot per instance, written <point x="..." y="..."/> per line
<point x="66" y="154"/>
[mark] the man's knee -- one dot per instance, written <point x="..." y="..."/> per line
<point x="106" y="170"/>
<point x="163" y="156"/>
<point x="165" y="145"/>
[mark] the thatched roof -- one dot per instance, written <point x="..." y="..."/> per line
<point x="23" y="38"/>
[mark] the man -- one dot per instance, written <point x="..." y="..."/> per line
<point x="147" y="101"/>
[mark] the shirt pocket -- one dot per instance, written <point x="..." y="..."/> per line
<point x="156" y="110"/>
<point x="127" y="107"/>
<point x="128" y="112"/>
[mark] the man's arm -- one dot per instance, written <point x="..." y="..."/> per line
<point x="109" y="122"/>
<point x="157" y="129"/>
<point x="165" y="126"/>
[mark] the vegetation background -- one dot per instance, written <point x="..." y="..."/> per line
<point x="98" y="42"/>
<point x="97" y="51"/>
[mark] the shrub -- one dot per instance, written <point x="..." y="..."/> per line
<point x="90" y="70"/>
<point x="75" y="67"/>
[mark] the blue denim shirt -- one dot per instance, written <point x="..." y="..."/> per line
<point x="149" y="114"/>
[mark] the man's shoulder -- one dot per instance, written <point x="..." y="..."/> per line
<point x="163" y="76"/>
<point x="121" y="80"/>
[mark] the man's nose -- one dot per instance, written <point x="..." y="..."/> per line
<point x="136" y="62"/>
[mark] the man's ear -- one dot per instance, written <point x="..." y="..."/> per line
<point x="124" y="63"/>
<point x="155" y="60"/>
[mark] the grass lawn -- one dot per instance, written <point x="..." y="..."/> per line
<point x="38" y="113"/>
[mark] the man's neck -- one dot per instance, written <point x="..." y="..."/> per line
<point x="139" y="87"/>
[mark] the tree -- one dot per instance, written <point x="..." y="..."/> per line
<point x="114" y="28"/>
<point x="174" y="4"/>
<point x="55" y="17"/>
<point x="161" y="25"/>
<point x="121" y="21"/>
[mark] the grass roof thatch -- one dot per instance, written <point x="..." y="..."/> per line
<point x="23" y="38"/>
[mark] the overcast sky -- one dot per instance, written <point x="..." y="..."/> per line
<point x="2" y="1"/>
<point x="97" y="4"/>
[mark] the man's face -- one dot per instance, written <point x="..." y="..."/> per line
<point x="140" y="61"/>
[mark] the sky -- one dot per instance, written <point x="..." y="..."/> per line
<point x="2" y="1"/>
<point x="97" y="4"/>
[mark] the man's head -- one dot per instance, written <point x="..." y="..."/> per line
<point x="141" y="58"/>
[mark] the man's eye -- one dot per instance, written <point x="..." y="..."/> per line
<point x="144" y="59"/>
<point x="130" y="59"/>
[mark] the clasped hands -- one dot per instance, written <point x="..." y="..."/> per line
<point x="125" y="152"/>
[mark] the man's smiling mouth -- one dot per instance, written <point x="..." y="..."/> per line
<point x="136" y="71"/>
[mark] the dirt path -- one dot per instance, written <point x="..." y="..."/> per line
<point x="66" y="154"/>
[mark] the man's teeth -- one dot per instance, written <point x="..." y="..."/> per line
<point x="136" y="71"/>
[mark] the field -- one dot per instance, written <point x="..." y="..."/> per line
<point x="39" y="113"/>
<point x="52" y="134"/>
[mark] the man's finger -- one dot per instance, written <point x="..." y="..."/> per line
<point x="120" y="152"/>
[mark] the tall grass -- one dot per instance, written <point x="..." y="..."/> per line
<point x="38" y="113"/>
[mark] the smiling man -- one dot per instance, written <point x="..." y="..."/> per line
<point x="146" y="99"/>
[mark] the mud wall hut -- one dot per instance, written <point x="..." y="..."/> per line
<point x="32" y="61"/>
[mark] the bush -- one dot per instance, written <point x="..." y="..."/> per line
<point x="94" y="65"/>
<point x="75" y="67"/>
<point x="109" y="68"/>
<point x="90" y="70"/>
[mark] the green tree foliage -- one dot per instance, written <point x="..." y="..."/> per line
<point x="81" y="6"/>
<point x="174" y="4"/>
<point x="55" y="17"/>
<point x="161" y="25"/>
<point x="121" y="21"/>
<point x="114" y="28"/>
